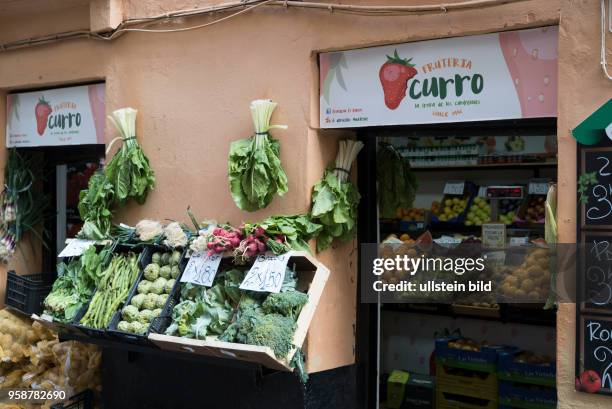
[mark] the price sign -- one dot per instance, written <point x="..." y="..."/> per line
<point x="538" y="187"/>
<point x="75" y="247"/>
<point x="201" y="269"/>
<point x="519" y="241"/>
<point x="494" y="235"/>
<point x="454" y="187"/>
<point x="447" y="241"/>
<point x="267" y="273"/>
<point x="482" y="191"/>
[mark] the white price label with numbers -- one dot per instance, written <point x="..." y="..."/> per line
<point x="454" y="188"/>
<point x="519" y="241"/>
<point x="75" y="247"/>
<point x="201" y="269"/>
<point x="538" y="187"/>
<point x="267" y="273"/>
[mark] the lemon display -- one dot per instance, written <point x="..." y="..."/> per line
<point x="451" y="208"/>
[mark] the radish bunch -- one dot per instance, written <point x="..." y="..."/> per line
<point x="257" y="241"/>
<point x="223" y="239"/>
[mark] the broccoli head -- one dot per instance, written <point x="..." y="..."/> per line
<point x="272" y="330"/>
<point x="289" y="303"/>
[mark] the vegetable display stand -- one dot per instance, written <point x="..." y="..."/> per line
<point x="27" y="293"/>
<point x="311" y="276"/>
<point x="142" y="339"/>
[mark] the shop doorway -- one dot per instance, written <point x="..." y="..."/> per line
<point x="401" y="337"/>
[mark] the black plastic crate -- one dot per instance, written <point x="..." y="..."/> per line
<point x="155" y="322"/>
<point x="102" y="333"/>
<point x="83" y="400"/>
<point x="27" y="293"/>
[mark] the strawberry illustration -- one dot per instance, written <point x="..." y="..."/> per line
<point x="42" y="111"/>
<point x="394" y="75"/>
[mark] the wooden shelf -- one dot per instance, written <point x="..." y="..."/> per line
<point x="484" y="166"/>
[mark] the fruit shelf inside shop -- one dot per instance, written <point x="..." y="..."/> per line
<point x="532" y="314"/>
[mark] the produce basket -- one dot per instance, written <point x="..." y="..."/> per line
<point x="470" y="190"/>
<point x="526" y="396"/>
<point x="511" y="369"/>
<point x="27" y="293"/>
<point x="103" y="333"/>
<point x="466" y="382"/>
<point x="155" y="323"/>
<point x="484" y="360"/>
<point x="311" y="276"/>
<point x="83" y="400"/>
<point x="447" y="400"/>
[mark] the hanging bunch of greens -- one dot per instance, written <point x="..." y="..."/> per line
<point x="22" y="209"/>
<point x="335" y="199"/>
<point x="95" y="203"/>
<point x="129" y="170"/>
<point x="127" y="175"/>
<point x="397" y="185"/>
<point x="254" y="166"/>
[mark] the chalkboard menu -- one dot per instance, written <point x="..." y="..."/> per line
<point x="594" y="268"/>
<point x="595" y="175"/>
<point x="594" y="366"/>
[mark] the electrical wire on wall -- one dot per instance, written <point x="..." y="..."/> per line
<point x="140" y="24"/>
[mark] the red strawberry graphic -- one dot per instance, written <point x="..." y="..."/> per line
<point x="42" y="110"/>
<point x="394" y="75"/>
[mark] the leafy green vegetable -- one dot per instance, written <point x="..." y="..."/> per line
<point x="127" y="175"/>
<point x="95" y="203"/>
<point x="334" y="205"/>
<point x="297" y="230"/>
<point x="202" y="312"/>
<point x="75" y="284"/>
<point x="288" y="303"/>
<point x="397" y="184"/>
<point x="129" y="170"/>
<point x="255" y="170"/>
<point x="335" y="199"/>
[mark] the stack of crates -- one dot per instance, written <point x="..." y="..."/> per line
<point x="526" y="385"/>
<point x="466" y="378"/>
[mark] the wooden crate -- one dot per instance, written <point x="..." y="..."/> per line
<point x="312" y="277"/>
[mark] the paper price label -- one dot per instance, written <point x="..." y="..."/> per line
<point x="454" y="188"/>
<point x="75" y="247"/>
<point x="201" y="269"/>
<point x="494" y="235"/>
<point x="447" y="240"/>
<point x="482" y="191"/>
<point x="267" y="273"/>
<point x="518" y="241"/>
<point x="538" y="188"/>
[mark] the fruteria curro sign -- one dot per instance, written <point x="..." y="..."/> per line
<point x="505" y="75"/>
<point x="61" y="116"/>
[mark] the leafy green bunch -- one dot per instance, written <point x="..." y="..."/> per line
<point x="397" y="184"/>
<point x="254" y="167"/>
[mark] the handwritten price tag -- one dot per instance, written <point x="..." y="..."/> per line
<point x="201" y="269"/>
<point x="75" y="247"/>
<point x="538" y="187"/>
<point x="267" y="273"/>
<point x="454" y="188"/>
